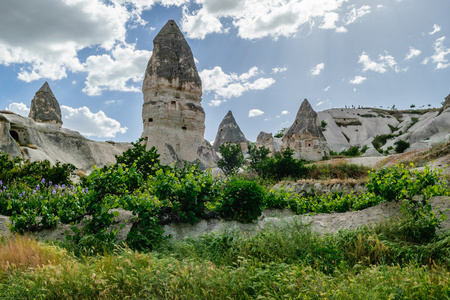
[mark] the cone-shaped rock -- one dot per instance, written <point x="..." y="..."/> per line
<point x="44" y="107"/>
<point x="305" y="136"/>
<point x="173" y="118"/>
<point x="229" y="132"/>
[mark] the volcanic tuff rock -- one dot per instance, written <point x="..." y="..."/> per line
<point x="229" y="132"/>
<point x="305" y="135"/>
<point x="267" y="140"/>
<point x="22" y="136"/>
<point x="44" y="107"/>
<point x="173" y="118"/>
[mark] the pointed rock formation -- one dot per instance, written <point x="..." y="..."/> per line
<point x="305" y="136"/>
<point x="229" y="132"/>
<point x="44" y="107"/>
<point x="174" y="120"/>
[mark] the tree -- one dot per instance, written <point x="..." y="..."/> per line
<point x="232" y="158"/>
<point x="257" y="157"/>
<point x="323" y="124"/>
<point x="412" y="106"/>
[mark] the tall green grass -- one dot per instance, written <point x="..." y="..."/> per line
<point x="286" y="262"/>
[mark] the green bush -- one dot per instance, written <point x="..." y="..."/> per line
<point x="258" y="156"/>
<point x="401" y="146"/>
<point x="232" y="159"/>
<point x="284" y="165"/>
<point x="146" y="161"/>
<point x="32" y="173"/>
<point x="242" y="201"/>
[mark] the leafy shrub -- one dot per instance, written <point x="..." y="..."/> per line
<point x="283" y="165"/>
<point x="184" y="191"/>
<point x="242" y="201"/>
<point x="280" y="133"/>
<point x="257" y="155"/>
<point x="19" y="169"/>
<point x="380" y="140"/>
<point x="323" y="124"/>
<point x="146" y="161"/>
<point x="401" y="146"/>
<point x="232" y="158"/>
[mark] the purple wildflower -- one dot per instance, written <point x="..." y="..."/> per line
<point x="54" y="192"/>
<point x="43" y="180"/>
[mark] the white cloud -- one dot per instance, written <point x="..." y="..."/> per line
<point x="329" y="20"/>
<point x="436" y="28"/>
<point x="357" y="13"/>
<point x="123" y="70"/>
<point x="412" y="53"/>
<point x="90" y="124"/>
<point x="46" y="44"/>
<point x="317" y="69"/>
<point x="358" y="80"/>
<point x="284" y="112"/>
<point x="199" y="24"/>
<point x="279" y="70"/>
<point x="327" y="88"/>
<point x="18" y="108"/>
<point x="216" y="103"/>
<point x="384" y="63"/>
<point x="232" y="85"/>
<point x="257" y="19"/>
<point x="255" y="112"/>
<point x="440" y="53"/>
<point x="323" y="102"/>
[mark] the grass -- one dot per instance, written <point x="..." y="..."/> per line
<point x="277" y="263"/>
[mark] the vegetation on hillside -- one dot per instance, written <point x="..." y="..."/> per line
<point x="407" y="255"/>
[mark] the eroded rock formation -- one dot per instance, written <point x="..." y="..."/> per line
<point x="173" y="118"/>
<point x="45" y="108"/>
<point x="305" y="135"/>
<point x="229" y="132"/>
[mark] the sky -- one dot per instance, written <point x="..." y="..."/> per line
<point x="257" y="58"/>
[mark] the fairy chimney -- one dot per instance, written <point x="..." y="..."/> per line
<point x="174" y="120"/>
<point x="305" y="135"/>
<point x="229" y="132"/>
<point x="44" y="107"/>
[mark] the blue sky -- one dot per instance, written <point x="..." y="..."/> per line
<point x="258" y="58"/>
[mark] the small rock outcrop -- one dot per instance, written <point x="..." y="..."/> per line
<point x="173" y="118"/>
<point x="44" y="107"/>
<point x="446" y="104"/>
<point x="305" y="135"/>
<point x="267" y="140"/>
<point x="229" y="132"/>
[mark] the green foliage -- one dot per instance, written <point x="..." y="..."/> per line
<point x="258" y="156"/>
<point x="185" y="191"/>
<point x="242" y="201"/>
<point x="232" y="158"/>
<point x="323" y="124"/>
<point x="283" y="165"/>
<point x="380" y="140"/>
<point x="280" y="133"/>
<point x="19" y="169"/>
<point x="401" y="146"/>
<point x="353" y="151"/>
<point x="146" y="162"/>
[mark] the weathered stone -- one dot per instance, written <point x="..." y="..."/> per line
<point x="44" y="107"/>
<point x="446" y="104"/>
<point x="229" y="132"/>
<point x="173" y="118"/>
<point x="305" y="136"/>
<point x="268" y="141"/>
<point x="22" y="136"/>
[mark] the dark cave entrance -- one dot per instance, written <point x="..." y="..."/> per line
<point x="14" y="135"/>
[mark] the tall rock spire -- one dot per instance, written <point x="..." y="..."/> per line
<point x="44" y="107"/>
<point x="305" y="135"/>
<point x="173" y="118"/>
<point x="229" y="132"/>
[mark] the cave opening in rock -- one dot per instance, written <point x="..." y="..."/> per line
<point x="14" y="135"/>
